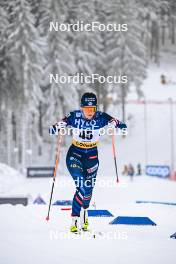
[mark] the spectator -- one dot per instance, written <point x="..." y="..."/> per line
<point x="139" y="169"/>
<point x="163" y="79"/>
<point x="131" y="171"/>
<point x="125" y="170"/>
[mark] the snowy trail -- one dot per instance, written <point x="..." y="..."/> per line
<point x="28" y="238"/>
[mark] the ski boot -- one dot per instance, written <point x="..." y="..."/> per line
<point x="84" y="219"/>
<point x="74" y="227"/>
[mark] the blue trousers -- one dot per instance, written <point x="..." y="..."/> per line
<point x="83" y="166"/>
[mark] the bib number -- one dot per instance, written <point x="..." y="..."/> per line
<point x="86" y="134"/>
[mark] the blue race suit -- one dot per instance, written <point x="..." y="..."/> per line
<point x="82" y="157"/>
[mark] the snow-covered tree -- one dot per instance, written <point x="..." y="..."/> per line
<point x="126" y="53"/>
<point x="88" y="46"/>
<point x="25" y="52"/>
<point x="61" y="97"/>
<point x="3" y="38"/>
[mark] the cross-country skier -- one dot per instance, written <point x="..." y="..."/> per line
<point x="82" y="157"/>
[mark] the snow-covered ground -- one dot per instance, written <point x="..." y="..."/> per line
<point x="26" y="237"/>
<point x="9" y="179"/>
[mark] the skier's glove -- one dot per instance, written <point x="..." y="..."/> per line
<point x="122" y="125"/>
<point x="117" y="124"/>
<point x="113" y="123"/>
<point x="53" y="130"/>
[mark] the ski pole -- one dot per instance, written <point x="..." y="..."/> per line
<point x="59" y="140"/>
<point x="114" y="155"/>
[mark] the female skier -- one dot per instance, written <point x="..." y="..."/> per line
<point x="82" y="157"/>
